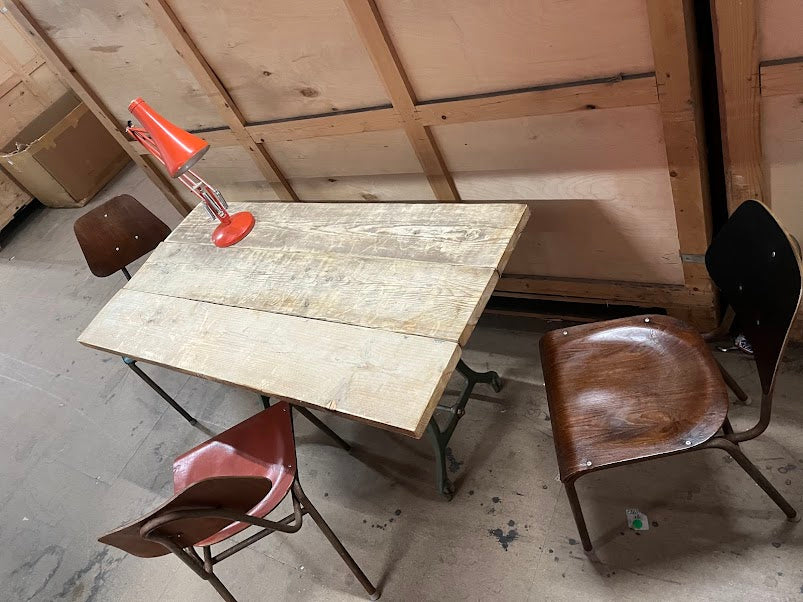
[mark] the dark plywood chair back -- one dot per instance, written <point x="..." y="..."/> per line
<point x="755" y="264"/>
<point x="238" y="493"/>
<point x="119" y="231"/>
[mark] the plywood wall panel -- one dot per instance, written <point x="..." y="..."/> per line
<point x="389" y="187"/>
<point x="459" y="47"/>
<point x="283" y="59"/>
<point x="368" y="153"/>
<point x="602" y="201"/>
<point x="780" y="23"/>
<point x="782" y="140"/>
<point x="117" y="48"/>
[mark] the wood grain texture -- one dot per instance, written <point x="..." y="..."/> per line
<point x="782" y="79"/>
<point x="737" y="52"/>
<point x="467" y="235"/>
<point x="546" y="101"/>
<point x="59" y="61"/>
<point x="677" y="72"/>
<point x="779" y="25"/>
<point x="375" y="36"/>
<point x="460" y="47"/>
<point x="282" y="59"/>
<point x="411" y="297"/>
<point x="387" y="379"/>
<point x="597" y="185"/>
<point x="627" y="390"/>
<point x="217" y="93"/>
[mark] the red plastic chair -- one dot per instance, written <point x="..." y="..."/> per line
<point x="224" y="486"/>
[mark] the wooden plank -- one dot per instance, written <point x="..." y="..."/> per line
<point x="562" y="98"/>
<point x="390" y="380"/>
<point x="440" y="301"/>
<point x="377" y="41"/>
<point x="167" y="21"/>
<point x="467" y="235"/>
<point x="356" y="122"/>
<point x="546" y="100"/>
<point x="607" y="291"/>
<point x="737" y="53"/>
<point x="58" y="61"/>
<point x="779" y="79"/>
<point x="678" y="75"/>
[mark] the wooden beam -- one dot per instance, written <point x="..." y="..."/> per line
<point x="337" y="124"/>
<point x="737" y="54"/>
<point x="779" y="78"/>
<point x="59" y="62"/>
<point x="544" y="100"/>
<point x="677" y="74"/>
<point x="371" y="28"/>
<point x="606" y="291"/>
<point x="168" y="23"/>
<point x="630" y="91"/>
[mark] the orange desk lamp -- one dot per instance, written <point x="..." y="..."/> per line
<point x="178" y="151"/>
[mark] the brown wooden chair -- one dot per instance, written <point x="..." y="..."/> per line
<point x="223" y="487"/>
<point x="113" y="235"/>
<point x="637" y="388"/>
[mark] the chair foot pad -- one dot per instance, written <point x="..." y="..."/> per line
<point x="794" y="519"/>
<point x="375" y="595"/>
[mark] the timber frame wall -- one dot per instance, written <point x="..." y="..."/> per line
<point x="759" y="54"/>
<point x="671" y="87"/>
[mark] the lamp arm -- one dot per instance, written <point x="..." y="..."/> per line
<point x="213" y="200"/>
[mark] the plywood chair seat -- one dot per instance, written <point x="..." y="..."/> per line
<point x="628" y="389"/>
<point x="223" y="486"/>
<point x="261" y="446"/>
<point x="638" y="388"/>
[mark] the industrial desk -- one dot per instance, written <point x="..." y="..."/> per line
<point x="360" y="309"/>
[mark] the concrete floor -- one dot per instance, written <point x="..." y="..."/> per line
<point x="85" y="446"/>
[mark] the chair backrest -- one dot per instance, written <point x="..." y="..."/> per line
<point x="755" y="264"/>
<point x="119" y="231"/>
<point x="232" y="493"/>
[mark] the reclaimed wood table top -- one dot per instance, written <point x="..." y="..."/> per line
<point x="356" y="308"/>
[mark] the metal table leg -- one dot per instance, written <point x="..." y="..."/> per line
<point x="440" y="438"/>
<point x="149" y="381"/>
<point x="315" y="421"/>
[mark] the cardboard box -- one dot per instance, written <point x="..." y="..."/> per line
<point x="65" y="156"/>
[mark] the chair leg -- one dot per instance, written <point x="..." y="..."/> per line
<point x="174" y="404"/>
<point x="755" y="474"/>
<point x="727" y="428"/>
<point x="574" y="502"/>
<point x="336" y="544"/>
<point x="732" y="384"/>
<point x="220" y="588"/>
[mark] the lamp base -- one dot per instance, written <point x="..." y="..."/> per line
<point x="237" y="229"/>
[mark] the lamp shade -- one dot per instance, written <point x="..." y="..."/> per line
<point x="179" y="150"/>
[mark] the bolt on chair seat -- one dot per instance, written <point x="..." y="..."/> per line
<point x="637" y="388"/>
<point x="630" y="388"/>
<point x="223" y="486"/>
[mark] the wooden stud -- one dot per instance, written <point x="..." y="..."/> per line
<point x="59" y="62"/>
<point x="552" y="100"/>
<point x="368" y="22"/>
<point x="169" y="24"/>
<point x="543" y="100"/>
<point x="779" y="78"/>
<point x="679" y="95"/>
<point x="737" y="53"/>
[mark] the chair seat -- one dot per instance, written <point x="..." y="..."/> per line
<point x="629" y="389"/>
<point x="261" y="446"/>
